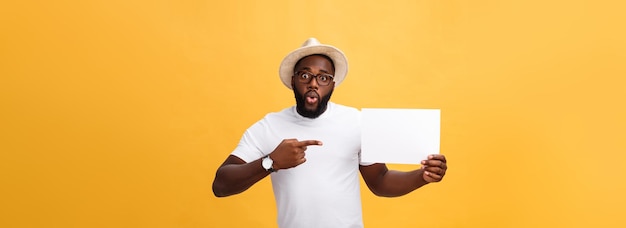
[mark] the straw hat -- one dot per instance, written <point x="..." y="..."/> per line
<point x="311" y="47"/>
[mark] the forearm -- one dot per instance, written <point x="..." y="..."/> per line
<point x="397" y="183"/>
<point x="232" y="179"/>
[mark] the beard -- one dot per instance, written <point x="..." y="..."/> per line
<point x="321" y="107"/>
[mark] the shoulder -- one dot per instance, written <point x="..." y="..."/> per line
<point x="345" y="115"/>
<point x="272" y="118"/>
<point x="345" y="110"/>
<point x="284" y="114"/>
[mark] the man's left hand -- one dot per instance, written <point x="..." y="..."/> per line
<point x="434" y="168"/>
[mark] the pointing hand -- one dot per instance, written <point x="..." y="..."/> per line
<point x="291" y="153"/>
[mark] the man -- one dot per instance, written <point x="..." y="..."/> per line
<point x="312" y="150"/>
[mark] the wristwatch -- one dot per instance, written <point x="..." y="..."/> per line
<point x="268" y="163"/>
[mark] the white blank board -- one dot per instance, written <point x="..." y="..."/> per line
<point x="401" y="136"/>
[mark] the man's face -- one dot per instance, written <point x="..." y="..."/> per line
<point x="312" y="98"/>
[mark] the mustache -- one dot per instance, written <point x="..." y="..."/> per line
<point x="312" y="93"/>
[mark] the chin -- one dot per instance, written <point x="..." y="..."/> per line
<point x="311" y="108"/>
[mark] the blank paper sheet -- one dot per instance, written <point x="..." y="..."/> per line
<point x="401" y="136"/>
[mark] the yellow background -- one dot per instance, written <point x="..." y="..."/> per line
<point x="117" y="113"/>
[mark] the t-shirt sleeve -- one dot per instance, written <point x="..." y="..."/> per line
<point x="364" y="163"/>
<point x="249" y="148"/>
<point x="358" y="131"/>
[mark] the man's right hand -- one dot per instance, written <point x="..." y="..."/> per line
<point x="290" y="153"/>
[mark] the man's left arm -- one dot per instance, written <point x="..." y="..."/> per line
<point x="391" y="183"/>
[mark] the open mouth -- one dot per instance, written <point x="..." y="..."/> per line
<point x="311" y="97"/>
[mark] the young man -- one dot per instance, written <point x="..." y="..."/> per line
<point x="312" y="150"/>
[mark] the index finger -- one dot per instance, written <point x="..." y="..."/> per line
<point x="439" y="157"/>
<point x="309" y="143"/>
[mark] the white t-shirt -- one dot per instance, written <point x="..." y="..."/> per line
<point x="323" y="191"/>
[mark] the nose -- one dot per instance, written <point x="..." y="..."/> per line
<point x="313" y="84"/>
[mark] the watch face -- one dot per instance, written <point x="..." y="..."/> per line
<point x="267" y="163"/>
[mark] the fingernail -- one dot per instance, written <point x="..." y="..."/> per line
<point x="423" y="161"/>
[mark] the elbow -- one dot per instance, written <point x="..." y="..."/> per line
<point x="224" y="192"/>
<point x="223" y="189"/>
<point x="378" y="191"/>
<point x="388" y="195"/>
<point x="220" y="190"/>
<point x="382" y="193"/>
<point x="217" y="192"/>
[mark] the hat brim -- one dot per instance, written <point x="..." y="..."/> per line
<point x="339" y="61"/>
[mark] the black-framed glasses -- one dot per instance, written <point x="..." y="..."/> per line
<point x="305" y="77"/>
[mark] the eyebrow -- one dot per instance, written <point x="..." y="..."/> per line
<point x="321" y="70"/>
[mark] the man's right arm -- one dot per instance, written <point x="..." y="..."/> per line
<point x="235" y="176"/>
